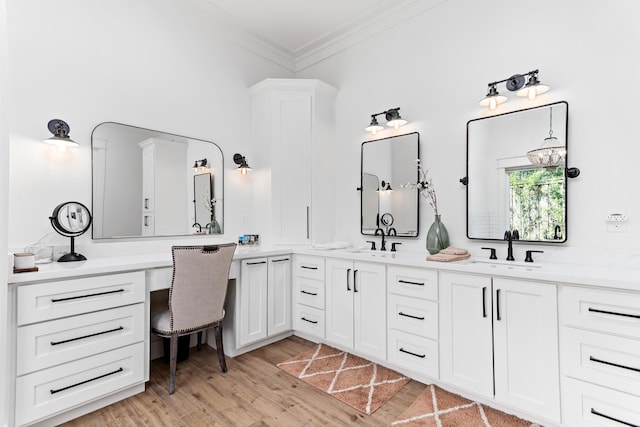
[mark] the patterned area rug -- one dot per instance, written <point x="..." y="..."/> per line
<point x="439" y="408"/>
<point x="359" y="383"/>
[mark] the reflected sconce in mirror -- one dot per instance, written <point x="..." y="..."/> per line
<point x="515" y="83"/>
<point x="60" y="130"/>
<point x="386" y="186"/>
<point x="241" y="161"/>
<point x="201" y="166"/>
<point x="392" y="116"/>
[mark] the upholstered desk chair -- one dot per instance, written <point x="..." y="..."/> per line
<point x="196" y="298"/>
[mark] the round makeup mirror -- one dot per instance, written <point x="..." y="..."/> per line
<point x="71" y="219"/>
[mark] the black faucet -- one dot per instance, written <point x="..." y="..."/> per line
<point x="508" y="236"/>
<point x="392" y="232"/>
<point x="199" y="227"/>
<point x="383" y="245"/>
<point x="556" y="233"/>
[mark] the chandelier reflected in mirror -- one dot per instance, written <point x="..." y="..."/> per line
<point x="551" y="153"/>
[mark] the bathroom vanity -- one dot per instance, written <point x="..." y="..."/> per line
<point x="557" y="344"/>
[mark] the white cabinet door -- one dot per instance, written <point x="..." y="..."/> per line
<point x="279" y="295"/>
<point x="466" y="353"/>
<point x="252" y="301"/>
<point x="370" y="308"/>
<point x="526" y="346"/>
<point x="339" y="304"/>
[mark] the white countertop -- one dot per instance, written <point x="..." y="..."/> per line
<point x="613" y="277"/>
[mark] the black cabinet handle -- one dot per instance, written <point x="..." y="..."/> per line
<point x="280" y="260"/>
<point x="52" y="391"/>
<point x="498" y="318"/>
<point x="87" y="296"/>
<point x="348" y="277"/>
<point x="355" y="289"/>
<point x="604" y="362"/>
<point x="86" y="336"/>
<point x="146" y="203"/>
<point x="411" y="316"/>
<point x="595" y="310"/>
<point x="308" y="268"/>
<point x="421" y="356"/>
<point x="309" y="293"/>
<point x="484" y="301"/>
<point x="257" y="262"/>
<point x="146" y="220"/>
<point x="408" y="282"/>
<point x="310" y="321"/>
<point x="600" y="414"/>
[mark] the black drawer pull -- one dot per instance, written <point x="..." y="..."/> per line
<point x="310" y="321"/>
<point x="355" y="288"/>
<point x="257" y="262"/>
<point x="52" y="391"/>
<point x="411" y="316"/>
<point x="308" y="293"/>
<point x="421" y="356"/>
<point x="498" y="318"/>
<point x="604" y="362"/>
<point x="308" y="268"/>
<point x="600" y="414"/>
<point x="410" y="283"/>
<point x="280" y="260"/>
<point x="87" y="296"/>
<point x="595" y="310"/>
<point x="86" y="336"/>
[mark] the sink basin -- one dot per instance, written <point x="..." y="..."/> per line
<point x="507" y="265"/>
<point x="372" y="253"/>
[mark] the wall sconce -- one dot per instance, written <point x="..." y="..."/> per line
<point x="60" y="131"/>
<point x="385" y="186"/>
<point x="200" y="166"/>
<point x="393" y="118"/>
<point x="240" y="160"/>
<point x="515" y="83"/>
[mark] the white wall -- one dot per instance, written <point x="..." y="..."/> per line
<point x="436" y="67"/>
<point x="157" y="64"/>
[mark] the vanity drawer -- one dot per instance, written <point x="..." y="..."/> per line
<point x="309" y="292"/>
<point x="309" y="320"/>
<point x="413" y="282"/>
<point x="606" y="360"/>
<point x="46" y="344"/>
<point x="588" y="405"/>
<point x="52" y="300"/>
<point x="615" y="312"/>
<point x="412" y="352"/>
<point x="56" y="389"/>
<point x="413" y="315"/>
<point x="310" y="267"/>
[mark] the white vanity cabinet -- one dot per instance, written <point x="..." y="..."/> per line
<point x="309" y="293"/>
<point x="600" y="355"/>
<point x="77" y="340"/>
<point x="264" y="299"/>
<point x="499" y="339"/>
<point x="294" y="138"/>
<point x="356" y="306"/>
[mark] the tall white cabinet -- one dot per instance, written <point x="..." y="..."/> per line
<point x="293" y="164"/>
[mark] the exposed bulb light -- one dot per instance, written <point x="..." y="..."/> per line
<point x="533" y="87"/>
<point x="393" y="118"/>
<point x="493" y="98"/>
<point x="374" y="127"/>
<point x="515" y="83"/>
<point x="240" y="160"/>
<point x="60" y="131"/>
<point x="200" y="166"/>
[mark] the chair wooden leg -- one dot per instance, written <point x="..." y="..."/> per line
<point x="218" y="332"/>
<point x="199" y="341"/>
<point x="173" y="358"/>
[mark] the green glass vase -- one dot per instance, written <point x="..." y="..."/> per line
<point x="437" y="237"/>
<point x="213" y="227"/>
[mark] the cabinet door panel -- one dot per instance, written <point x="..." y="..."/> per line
<point x="339" y="304"/>
<point x="279" y="295"/>
<point x="466" y="352"/>
<point x="526" y="346"/>
<point x="252" y="300"/>
<point x="370" y="308"/>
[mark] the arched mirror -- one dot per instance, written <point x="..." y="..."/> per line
<point x="145" y="183"/>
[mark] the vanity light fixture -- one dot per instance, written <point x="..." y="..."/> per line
<point x="60" y="130"/>
<point x="200" y="166"/>
<point x="240" y="160"/>
<point x="385" y="186"/>
<point x="515" y="83"/>
<point x="392" y="115"/>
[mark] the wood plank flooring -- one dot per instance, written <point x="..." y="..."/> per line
<point x="253" y="393"/>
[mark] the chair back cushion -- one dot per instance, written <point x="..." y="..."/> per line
<point x="199" y="286"/>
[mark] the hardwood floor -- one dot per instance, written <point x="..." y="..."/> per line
<point x="253" y="393"/>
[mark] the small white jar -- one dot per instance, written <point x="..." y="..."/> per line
<point x="24" y="260"/>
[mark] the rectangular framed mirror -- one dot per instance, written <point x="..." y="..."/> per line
<point x="387" y="165"/>
<point x="516" y="174"/>
<point x="144" y="183"/>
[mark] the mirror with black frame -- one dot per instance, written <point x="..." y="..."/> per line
<point x="386" y="203"/>
<point x="517" y="175"/>
<point x="144" y="183"/>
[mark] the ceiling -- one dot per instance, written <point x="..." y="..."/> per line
<point x="299" y="33"/>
